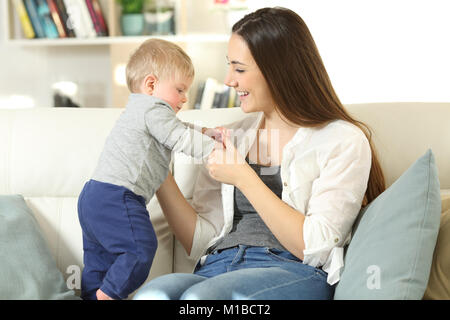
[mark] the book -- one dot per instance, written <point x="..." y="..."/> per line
<point x="96" y="14"/>
<point x="65" y="18"/>
<point x="198" y="97"/>
<point x="98" y="10"/>
<point x="46" y="19"/>
<point x="233" y="101"/>
<point x="77" y="10"/>
<point x="38" y="28"/>
<point x="25" y="21"/>
<point x="214" y="94"/>
<point x="208" y="93"/>
<point x="221" y="96"/>
<point x="57" y="18"/>
<point x="87" y="20"/>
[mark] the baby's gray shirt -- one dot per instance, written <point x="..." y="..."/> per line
<point x="137" y="152"/>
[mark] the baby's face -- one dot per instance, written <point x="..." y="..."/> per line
<point x="173" y="91"/>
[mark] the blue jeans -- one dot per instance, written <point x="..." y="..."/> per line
<point x="240" y="273"/>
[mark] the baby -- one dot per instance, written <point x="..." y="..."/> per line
<point x="119" y="242"/>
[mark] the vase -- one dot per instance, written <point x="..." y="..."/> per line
<point x="132" y="24"/>
<point x="159" y="17"/>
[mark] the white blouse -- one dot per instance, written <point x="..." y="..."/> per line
<point x="324" y="172"/>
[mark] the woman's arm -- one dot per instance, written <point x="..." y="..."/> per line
<point x="179" y="213"/>
<point x="286" y="223"/>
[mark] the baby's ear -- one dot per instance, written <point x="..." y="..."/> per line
<point x="148" y="85"/>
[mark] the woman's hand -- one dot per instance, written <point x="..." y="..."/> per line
<point x="226" y="165"/>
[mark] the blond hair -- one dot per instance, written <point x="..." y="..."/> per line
<point x="163" y="59"/>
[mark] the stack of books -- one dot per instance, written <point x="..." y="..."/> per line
<point x="61" y="18"/>
<point x="214" y="94"/>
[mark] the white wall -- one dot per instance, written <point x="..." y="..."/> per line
<point x="381" y="50"/>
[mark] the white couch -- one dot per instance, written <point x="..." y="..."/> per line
<point x="47" y="154"/>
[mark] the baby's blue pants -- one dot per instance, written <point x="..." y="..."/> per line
<point x="119" y="241"/>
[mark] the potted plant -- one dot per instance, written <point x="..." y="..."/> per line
<point x="132" y="18"/>
<point x="159" y="17"/>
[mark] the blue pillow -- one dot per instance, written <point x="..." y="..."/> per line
<point x="27" y="269"/>
<point x="390" y="254"/>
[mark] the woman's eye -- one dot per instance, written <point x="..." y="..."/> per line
<point x="237" y="70"/>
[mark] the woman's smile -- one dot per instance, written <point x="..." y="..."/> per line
<point x="242" y="95"/>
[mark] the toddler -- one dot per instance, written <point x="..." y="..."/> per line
<point x="119" y="242"/>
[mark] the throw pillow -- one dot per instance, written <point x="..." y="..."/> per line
<point x="391" y="251"/>
<point x="27" y="269"/>
<point x="439" y="282"/>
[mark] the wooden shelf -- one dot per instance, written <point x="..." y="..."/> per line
<point x="105" y="41"/>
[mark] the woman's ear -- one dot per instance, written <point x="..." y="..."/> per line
<point x="148" y="85"/>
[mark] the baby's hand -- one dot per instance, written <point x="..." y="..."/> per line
<point x="217" y="133"/>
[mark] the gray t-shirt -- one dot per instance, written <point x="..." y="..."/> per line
<point x="248" y="227"/>
<point x="137" y="152"/>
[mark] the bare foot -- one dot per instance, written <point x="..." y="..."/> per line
<point x="102" y="296"/>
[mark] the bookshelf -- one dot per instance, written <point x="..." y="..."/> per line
<point x="201" y="31"/>
<point x="111" y="11"/>
<point x="107" y="41"/>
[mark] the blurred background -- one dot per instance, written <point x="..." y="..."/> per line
<point x="374" y="50"/>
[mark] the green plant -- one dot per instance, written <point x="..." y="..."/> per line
<point x="131" y="6"/>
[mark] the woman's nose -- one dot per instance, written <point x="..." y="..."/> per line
<point x="230" y="82"/>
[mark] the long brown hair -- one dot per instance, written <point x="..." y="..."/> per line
<point x="287" y="56"/>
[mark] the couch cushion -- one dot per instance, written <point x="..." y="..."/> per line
<point x="52" y="151"/>
<point x="402" y="130"/>
<point x="439" y="283"/>
<point x="27" y="269"/>
<point x="391" y="251"/>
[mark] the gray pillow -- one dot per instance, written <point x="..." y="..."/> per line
<point x="27" y="269"/>
<point x="390" y="254"/>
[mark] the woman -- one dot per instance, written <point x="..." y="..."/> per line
<point x="273" y="224"/>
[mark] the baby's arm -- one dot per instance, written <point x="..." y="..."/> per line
<point x="168" y="130"/>
<point x="214" y="133"/>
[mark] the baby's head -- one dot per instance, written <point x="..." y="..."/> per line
<point x="161" y="69"/>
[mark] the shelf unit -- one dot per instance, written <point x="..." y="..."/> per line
<point x="112" y="14"/>
<point x="105" y="41"/>
<point x="111" y="11"/>
<point x="199" y="31"/>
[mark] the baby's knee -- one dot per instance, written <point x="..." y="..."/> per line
<point x="144" y="261"/>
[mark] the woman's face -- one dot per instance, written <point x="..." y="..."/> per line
<point x="245" y="76"/>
